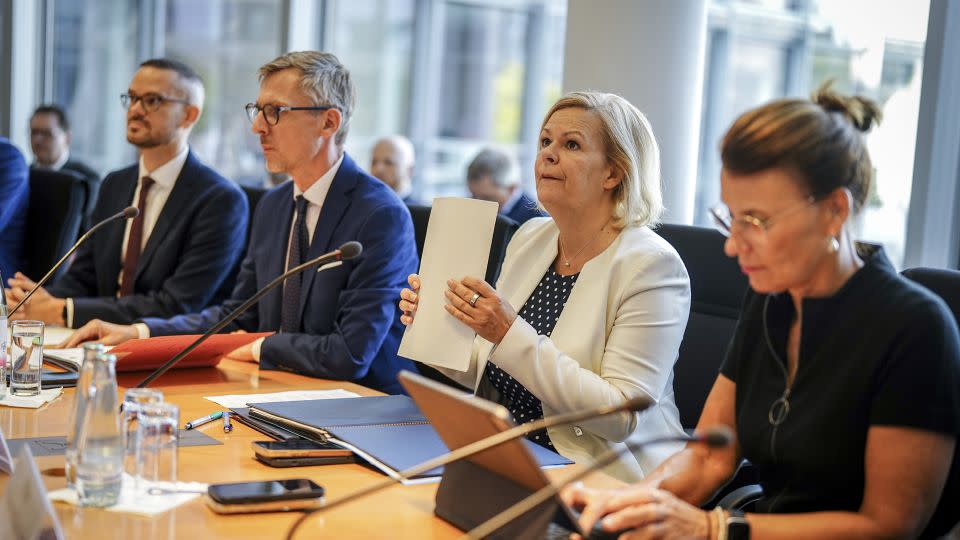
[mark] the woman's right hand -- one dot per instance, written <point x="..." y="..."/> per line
<point x="409" y="298"/>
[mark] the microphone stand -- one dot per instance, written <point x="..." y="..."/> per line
<point x="715" y="437"/>
<point x="631" y="405"/>
<point x="128" y="212"/>
<point x="337" y="255"/>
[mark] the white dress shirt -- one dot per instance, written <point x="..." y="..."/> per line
<point x="164" y="177"/>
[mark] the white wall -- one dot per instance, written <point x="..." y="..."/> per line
<point x="651" y="52"/>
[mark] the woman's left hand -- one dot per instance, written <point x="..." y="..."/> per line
<point x="478" y="305"/>
<point x="645" y="512"/>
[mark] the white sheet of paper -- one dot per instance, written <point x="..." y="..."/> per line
<point x="53" y="335"/>
<point x="240" y="400"/>
<point x="32" y="402"/>
<point x="25" y="511"/>
<point x="457" y="244"/>
<point x="132" y="501"/>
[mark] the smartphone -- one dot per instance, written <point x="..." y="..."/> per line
<point x="305" y="462"/>
<point x="266" y="496"/>
<point x="298" y="448"/>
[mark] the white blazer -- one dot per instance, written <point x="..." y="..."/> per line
<point x="617" y="338"/>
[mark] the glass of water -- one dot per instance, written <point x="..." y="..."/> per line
<point x="27" y="356"/>
<point x="133" y="400"/>
<point x="157" y="447"/>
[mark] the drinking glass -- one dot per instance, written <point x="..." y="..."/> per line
<point x="133" y="400"/>
<point x="27" y="355"/>
<point x="157" y="447"/>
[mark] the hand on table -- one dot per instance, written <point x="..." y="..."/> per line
<point x="42" y="306"/>
<point x="101" y="332"/>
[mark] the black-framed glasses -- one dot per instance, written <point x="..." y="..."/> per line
<point x="271" y="113"/>
<point x="150" y="101"/>
<point x="751" y="228"/>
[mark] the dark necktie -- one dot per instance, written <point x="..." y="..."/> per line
<point x="299" y="242"/>
<point x="135" y="240"/>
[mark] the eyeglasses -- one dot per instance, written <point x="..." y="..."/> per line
<point x="271" y="113"/>
<point x="150" y="102"/>
<point x="751" y="228"/>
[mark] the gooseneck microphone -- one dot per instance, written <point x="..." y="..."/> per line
<point x="637" y="404"/>
<point x="346" y="252"/>
<point x="714" y="437"/>
<point x="127" y="213"/>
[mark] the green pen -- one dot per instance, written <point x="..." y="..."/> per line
<point x="201" y="421"/>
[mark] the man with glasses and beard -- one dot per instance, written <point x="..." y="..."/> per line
<point x="180" y="253"/>
<point x="341" y="323"/>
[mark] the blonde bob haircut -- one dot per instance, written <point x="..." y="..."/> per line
<point x="631" y="149"/>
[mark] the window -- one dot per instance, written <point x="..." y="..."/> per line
<point x="226" y="42"/>
<point x="760" y="51"/>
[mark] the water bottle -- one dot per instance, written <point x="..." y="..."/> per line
<point x="4" y="341"/>
<point x="81" y="401"/>
<point x="99" y="462"/>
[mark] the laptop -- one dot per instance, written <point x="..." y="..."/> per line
<point x="480" y="487"/>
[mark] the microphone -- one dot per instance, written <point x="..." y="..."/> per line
<point x="127" y="213"/>
<point x="714" y="437"/>
<point x="636" y="404"/>
<point x="346" y="252"/>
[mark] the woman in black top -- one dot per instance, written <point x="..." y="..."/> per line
<point x="842" y="381"/>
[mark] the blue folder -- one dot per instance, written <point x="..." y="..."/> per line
<point x="389" y="432"/>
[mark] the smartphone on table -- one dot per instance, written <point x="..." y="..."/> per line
<point x="298" y="448"/>
<point x="265" y="496"/>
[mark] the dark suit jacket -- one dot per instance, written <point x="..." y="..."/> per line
<point x="350" y="326"/>
<point x="526" y="208"/>
<point x="195" y="243"/>
<point x="14" y="199"/>
<point x="91" y="183"/>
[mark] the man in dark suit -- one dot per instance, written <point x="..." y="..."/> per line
<point x="50" y="143"/>
<point x="340" y="323"/>
<point x="14" y="198"/>
<point x="491" y="177"/>
<point x="176" y="256"/>
<point x="392" y="161"/>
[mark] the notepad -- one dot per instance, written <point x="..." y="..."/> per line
<point x="388" y="432"/>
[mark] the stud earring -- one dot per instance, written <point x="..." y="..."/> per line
<point x="834" y="245"/>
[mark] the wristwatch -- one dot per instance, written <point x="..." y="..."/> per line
<point x="738" y="528"/>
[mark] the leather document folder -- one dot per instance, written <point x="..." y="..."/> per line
<point x="389" y="432"/>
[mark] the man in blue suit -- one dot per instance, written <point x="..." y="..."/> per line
<point x="14" y="197"/>
<point x="340" y="323"/>
<point x="491" y="177"/>
<point x="175" y="257"/>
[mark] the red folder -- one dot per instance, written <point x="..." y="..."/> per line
<point x="151" y="353"/>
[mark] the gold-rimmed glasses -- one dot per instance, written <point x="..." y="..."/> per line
<point x="750" y="227"/>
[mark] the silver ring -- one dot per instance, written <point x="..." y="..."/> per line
<point x="473" y="299"/>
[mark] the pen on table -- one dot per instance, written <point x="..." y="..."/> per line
<point x="227" y="426"/>
<point x="201" y="421"/>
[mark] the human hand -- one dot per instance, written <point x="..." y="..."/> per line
<point x="242" y="354"/>
<point x="478" y="305"/>
<point x="101" y="332"/>
<point x="643" y="511"/>
<point x="409" y="299"/>
<point x="42" y="306"/>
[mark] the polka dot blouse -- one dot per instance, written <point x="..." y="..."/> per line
<point x="541" y="311"/>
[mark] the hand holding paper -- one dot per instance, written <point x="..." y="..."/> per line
<point x="457" y="244"/>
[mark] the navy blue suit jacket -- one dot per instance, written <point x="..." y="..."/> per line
<point x="350" y="322"/>
<point x="525" y="208"/>
<point x="194" y="245"/>
<point x="14" y="199"/>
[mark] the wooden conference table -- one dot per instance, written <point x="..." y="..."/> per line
<point x="397" y="512"/>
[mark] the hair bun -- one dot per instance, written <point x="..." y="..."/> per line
<point x="862" y="112"/>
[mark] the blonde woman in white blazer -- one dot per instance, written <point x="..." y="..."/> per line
<point x="619" y="329"/>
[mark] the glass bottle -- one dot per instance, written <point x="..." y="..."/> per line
<point x="81" y="399"/>
<point x="4" y="341"/>
<point x="99" y="462"/>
